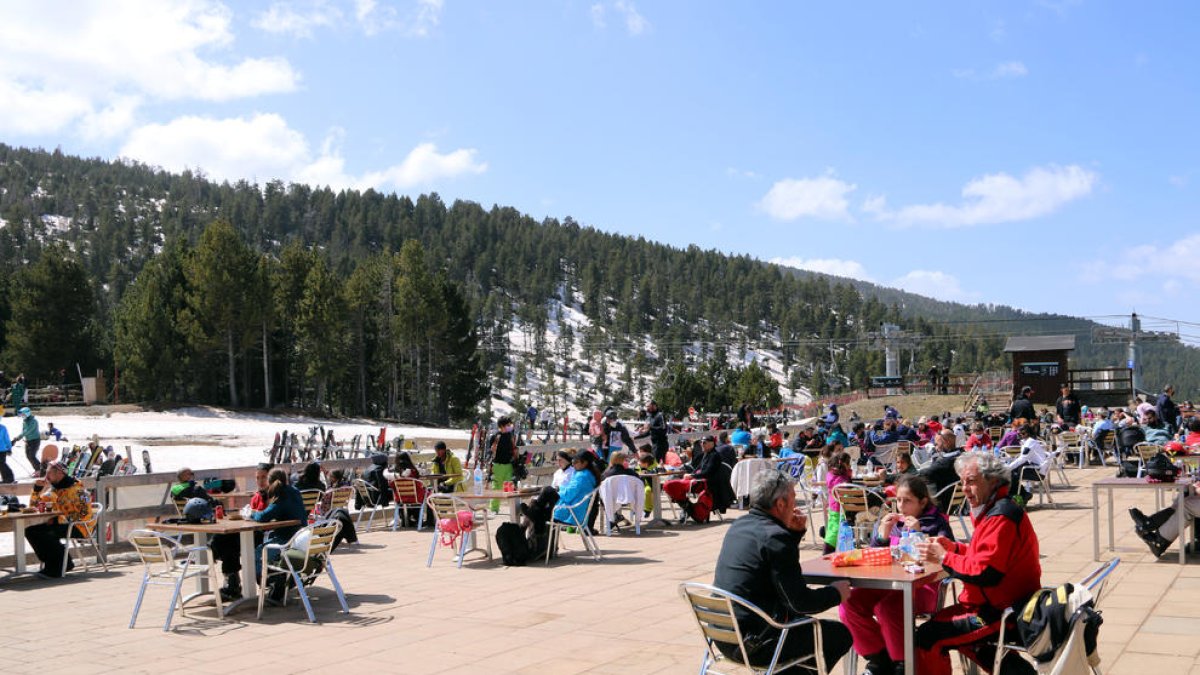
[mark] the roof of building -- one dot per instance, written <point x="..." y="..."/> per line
<point x="1039" y="343"/>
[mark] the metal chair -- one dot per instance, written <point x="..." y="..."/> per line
<point x="1010" y="451"/>
<point x="996" y="433"/>
<point x="303" y="559"/>
<point x="1108" y="443"/>
<point x="957" y="506"/>
<point x="370" y="503"/>
<point x="1145" y="451"/>
<point x="409" y="493"/>
<point x="585" y="533"/>
<point x="89" y="530"/>
<point x="446" y="508"/>
<point x="855" y="499"/>
<point x="1058" y="463"/>
<point x="175" y="563"/>
<point x="1095" y="582"/>
<point x="886" y="456"/>
<point x="1069" y="442"/>
<point x="623" y="491"/>
<point x="1042" y="482"/>
<point x="714" y="612"/>
<point x="338" y="498"/>
<point x="312" y="499"/>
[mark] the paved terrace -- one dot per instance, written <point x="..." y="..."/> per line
<point x="622" y="615"/>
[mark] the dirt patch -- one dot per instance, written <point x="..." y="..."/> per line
<point x="912" y="406"/>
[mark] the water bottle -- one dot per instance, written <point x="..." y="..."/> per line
<point x="478" y="480"/>
<point x="845" y="537"/>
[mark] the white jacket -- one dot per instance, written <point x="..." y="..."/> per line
<point x="744" y="473"/>
<point x="622" y="489"/>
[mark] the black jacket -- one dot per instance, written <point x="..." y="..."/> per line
<point x="760" y="561"/>
<point x="656" y="428"/>
<point x="1068" y="408"/>
<point x="1167" y="411"/>
<point x="1022" y="408"/>
<point x="717" y="473"/>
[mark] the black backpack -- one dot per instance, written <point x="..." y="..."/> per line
<point x="514" y="548"/>
<point x="1044" y="622"/>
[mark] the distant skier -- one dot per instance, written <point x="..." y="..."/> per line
<point x="32" y="437"/>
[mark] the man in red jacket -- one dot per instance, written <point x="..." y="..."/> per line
<point x="999" y="569"/>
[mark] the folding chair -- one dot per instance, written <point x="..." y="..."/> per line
<point x="585" y="533"/>
<point x="156" y="549"/>
<point x="714" y="612"/>
<point x="445" y="508"/>
<point x="89" y="530"/>
<point x="303" y="559"/>
<point x="408" y="495"/>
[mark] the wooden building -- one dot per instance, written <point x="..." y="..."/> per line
<point x="1040" y="362"/>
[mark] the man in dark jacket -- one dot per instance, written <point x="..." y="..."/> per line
<point x="656" y="428"/>
<point x="1022" y="406"/>
<point x="1067" y="406"/>
<point x="999" y="568"/>
<point x="1168" y="412"/>
<point x="760" y="561"/>
<point x="716" y="473"/>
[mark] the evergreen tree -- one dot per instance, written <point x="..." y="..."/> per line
<point x="151" y="351"/>
<point x="220" y="273"/>
<point x="52" y="322"/>
<point x="320" y="328"/>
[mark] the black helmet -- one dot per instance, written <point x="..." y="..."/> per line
<point x="610" y="413"/>
<point x="197" y="510"/>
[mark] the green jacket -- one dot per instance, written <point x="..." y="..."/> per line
<point x="29" y="431"/>
<point x="18" y="394"/>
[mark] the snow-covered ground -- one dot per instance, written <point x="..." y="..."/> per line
<point x="202" y="438"/>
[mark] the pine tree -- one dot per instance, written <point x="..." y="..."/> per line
<point x="220" y="273"/>
<point x="52" y="324"/>
<point x="151" y="351"/>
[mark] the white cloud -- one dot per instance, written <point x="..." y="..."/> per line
<point x="635" y="23"/>
<point x="823" y="198"/>
<point x="94" y="64"/>
<point x="840" y="268"/>
<point x="297" y="19"/>
<point x="1009" y="69"/>
<point x="935" y="284"/>
<point x="626" y="11"/>
<point x="418" y="19"/>
<point x="264" y="147"/>
<point x="734" y="172"/>
<point x="998" y="198"/>
<point x="1005" y="70"/>
<point x="415" y="18"/>
<point x="1169" y="265"/>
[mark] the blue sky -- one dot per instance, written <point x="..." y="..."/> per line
<point x="1037" y="154"/>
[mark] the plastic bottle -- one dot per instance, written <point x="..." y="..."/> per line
<point x="845" y="538"/>
<point x="478" y="480"/>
